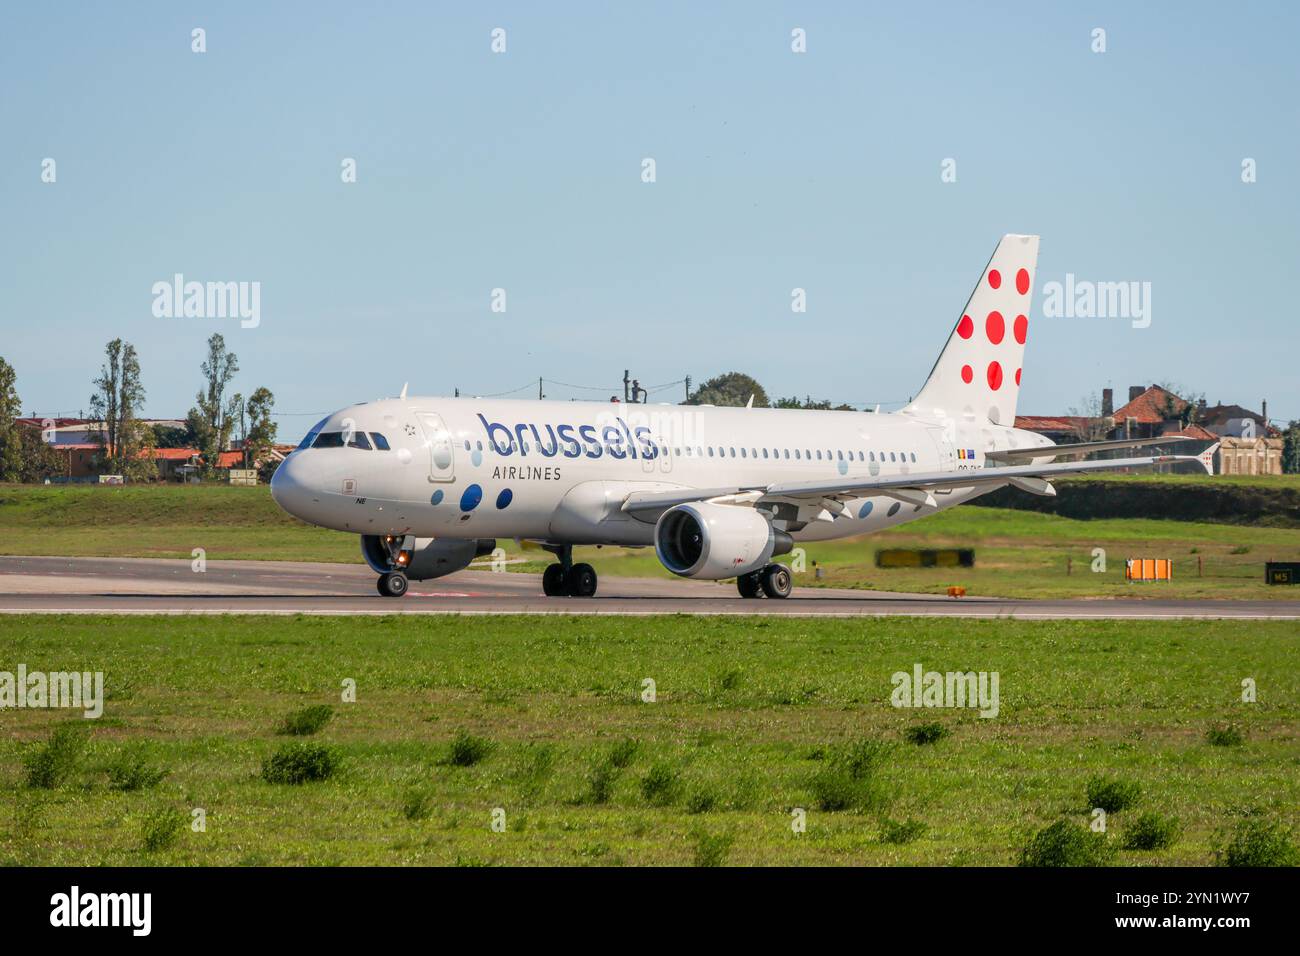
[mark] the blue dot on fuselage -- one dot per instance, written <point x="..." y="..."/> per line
<point x="505" y="497"/>
<point x="436" y="497"/>
<point x="470" y="499"/>
<point x="476" y="457"/>
<point x="865" y="509"/>
<point x="843" y="467"/>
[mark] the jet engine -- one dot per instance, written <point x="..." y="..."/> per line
<point x="709" y="541"/>
<point x="422" y="558"/>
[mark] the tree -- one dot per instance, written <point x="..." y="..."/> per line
<point x="260" y="436"/>
<point x="117" y="399"/>
<point x="213" y="414"/>
<point x="809" y="403"/>
<point x="733" y="388"/>
<point x="1291" y="448"/>
<point x="11" y="439"/>
<point x="1094" y="426"/>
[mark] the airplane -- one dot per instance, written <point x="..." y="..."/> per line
<point x="429" y="484"/>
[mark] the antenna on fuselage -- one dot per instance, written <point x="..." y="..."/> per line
<point x="403" y="395"/>
<point x="750" y="403"/>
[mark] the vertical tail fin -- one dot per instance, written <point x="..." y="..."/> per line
<point x="977" y="376"/>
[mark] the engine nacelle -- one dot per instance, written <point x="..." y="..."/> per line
<point x="703" y="540"/>
<point x="422" y="558"/>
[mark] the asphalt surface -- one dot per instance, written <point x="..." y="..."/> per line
<point x="52" y="585"/>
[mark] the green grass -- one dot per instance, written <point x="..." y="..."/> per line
<point x="557" y="701"/>
<point x="1018" y="553"/>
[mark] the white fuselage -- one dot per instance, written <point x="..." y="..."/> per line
<point x="559" y="471"/>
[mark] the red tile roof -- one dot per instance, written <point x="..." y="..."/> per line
<point x="1154" y="405"/>
<point x="1052" y="423"/>
<point x="1194" y="431"/>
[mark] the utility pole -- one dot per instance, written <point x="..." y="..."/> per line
<point x="458" y="391"/>
<point x="688" y="388"/>
<point x="539" y="389"/>
<point x="626" y="382"/>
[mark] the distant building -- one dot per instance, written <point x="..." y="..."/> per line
<point x="1248" y="445"/>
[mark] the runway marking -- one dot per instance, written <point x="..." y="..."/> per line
<point x="584" y="612"/>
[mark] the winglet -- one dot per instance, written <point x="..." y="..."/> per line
<point x="403" y="395"/>
<point x="750" y="403"/>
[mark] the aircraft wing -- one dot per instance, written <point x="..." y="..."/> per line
<point x="1081" y="448"/>
<point x="914" y="488"/>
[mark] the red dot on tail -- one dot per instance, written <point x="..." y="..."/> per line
<point x="995" y="376"/>
<point x="1017" y="376"/>
<point x="967" y="373"/>
<point x="995" y="327"/>
<point x="1022" y="281"/>
<point x="1021" y="328"/>
<point x="965" y="328"/>
<point x="995" y="278"/>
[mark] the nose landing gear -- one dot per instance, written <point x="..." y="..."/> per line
<point x="392" y="584"/>
<point x="566" y="579"/>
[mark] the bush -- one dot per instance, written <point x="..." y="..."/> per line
<point x="623" y="752"/>
<point x="467" y="750"/>
<point x="130" y="771"/>
<point x="1258" y="842"/>
<point x="600" y="782"/>
<point x="305" y="722"/>
<point x="1225" y="735"/>
<point x="160" y="828"/>
<point x="922" y="734"/>
<point x="660" y="785"/>
<point x="417" y="804"/>
<point x="711" y="849"/>
<point x="1151" y="831"/>
<point x="299" y="763"/>
<point x="891" y="831"/>
<point x="848" y="779"/>
<point x="1112" y="794"/>
<point x="701" y="800"/>
<point x="1066" y="844"/>
<point x="53" y="762"/>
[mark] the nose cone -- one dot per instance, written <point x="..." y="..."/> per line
<point x="288" y="488"/>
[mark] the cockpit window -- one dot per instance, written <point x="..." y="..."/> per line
<point x="359" y="440"/>
<point x="380" y="441"/>
<point x="328" y="440"/>
<point x="311" y="435"/>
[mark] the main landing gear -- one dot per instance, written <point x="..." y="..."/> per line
<point x="774" y="581"/>
<point x="566" y="579"/>
<point x="392" y="584"/>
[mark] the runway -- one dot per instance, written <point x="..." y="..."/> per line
<point x="51" y="585"/>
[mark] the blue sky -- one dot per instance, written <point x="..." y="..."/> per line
<point x="522" y="171"/>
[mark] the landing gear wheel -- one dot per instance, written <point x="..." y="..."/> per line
<point x="553" y="580"/>
<point x="748" y="585"/>
<point x="776" y="581"/>
<point x="581" y="581"/>
<point x="392" y="584"/>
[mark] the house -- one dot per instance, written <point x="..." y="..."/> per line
<point x="1248" y="445"/>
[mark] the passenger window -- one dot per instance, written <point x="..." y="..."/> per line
<point x="891" y="456"/>
<point x="380" y="441"/>
<point x="328" y="440"/>
<point x="359" y="440"/>
<point x="819" y="454"/>
<point x="913" y="456"/>
<point x="742" y="453"/>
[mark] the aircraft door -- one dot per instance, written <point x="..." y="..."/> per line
<point x="440" y="444"/>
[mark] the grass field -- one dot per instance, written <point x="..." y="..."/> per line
<point x="1018" y="553"/>
<point x="749" y="719"/>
